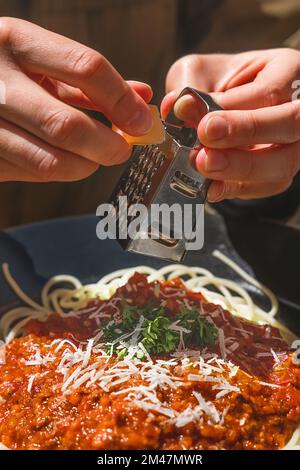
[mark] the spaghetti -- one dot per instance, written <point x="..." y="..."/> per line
<point x="81" y="360"/>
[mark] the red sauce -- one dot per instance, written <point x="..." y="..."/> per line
<point x="41" y="416"/>
<point x="253" y="341"/>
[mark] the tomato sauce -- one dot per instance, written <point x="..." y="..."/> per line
<point x="261" y="412"/>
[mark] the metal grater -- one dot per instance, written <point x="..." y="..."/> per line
<point x="157" y="174"/>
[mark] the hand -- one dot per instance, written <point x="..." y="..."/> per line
<point x="252" y="150"/>
<point x="44" y="138"/>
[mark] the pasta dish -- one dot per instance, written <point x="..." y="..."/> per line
<point x="175" y="358"/>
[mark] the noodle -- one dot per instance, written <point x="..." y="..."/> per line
<point x="65" y="295"/>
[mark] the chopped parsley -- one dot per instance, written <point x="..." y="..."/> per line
<point x="203" y="333"/>
<point x="149" y="328"/>
<point x="158" y="337"/>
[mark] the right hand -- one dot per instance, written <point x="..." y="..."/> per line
<point x="42" y="136"/>
<point x="251" y="149"/>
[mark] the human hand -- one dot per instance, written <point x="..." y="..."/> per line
<point x="42" y="136"/>
<point x="252" y="148"/>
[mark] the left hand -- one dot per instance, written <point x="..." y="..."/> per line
<point x="252" y="148"/>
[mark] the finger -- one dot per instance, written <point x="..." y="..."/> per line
<point x="220" y="190"/>
<point x="187" y="108"/>
<point x="75" y="97"/>
<point x="249" y="96"/>
<point x="228" y="129"/>
<point x="200" y="71"/>
<point x="271" y="87"/>
<point x="38" y="159"/>
<point x="260" y="165"/>
<point x="43" y="52"/>
<point x="32" y="108"/>
<point x="67" y="94"/>
<point x="142" y="89"/>
<point x="10" y="172"/>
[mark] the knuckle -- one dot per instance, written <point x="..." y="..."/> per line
<point x="58" y="166"/>
<point x="59" y="125"/>
<point x="248" y="167"/>
<point x="227" y="190"/>
<point x="252" y="125"/>
<point x="233" y="189"/>
<point x="48" y="164"/>
<point x="185" y="62"/>
<point x="240" y="189"/>
<point x="188" y="63"/>
<point x="85" y="62"/>
<point x="190" y="60"/>
<point x="273" y="95"/>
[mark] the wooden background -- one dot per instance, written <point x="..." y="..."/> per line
<point x="141" y="38"/>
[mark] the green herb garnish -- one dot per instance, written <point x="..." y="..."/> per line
<point x="203" y="333"/>
<point x="150" y="327"/>
<point x="158" y="337"/>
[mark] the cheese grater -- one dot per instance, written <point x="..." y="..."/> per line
<point x="163" y="174"/>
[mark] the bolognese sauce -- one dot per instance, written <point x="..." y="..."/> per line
<point x="154" y="367"/>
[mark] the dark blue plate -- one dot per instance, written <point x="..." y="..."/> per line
<point x="70" y="246"/>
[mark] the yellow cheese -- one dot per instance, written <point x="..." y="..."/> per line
<point x="155" y="136"/>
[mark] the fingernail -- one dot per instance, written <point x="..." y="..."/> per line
<point x="211" y="160"/>
<point x="216" y="191"/>
<point x="216" y="128"/>
<point x="141" y="122"/>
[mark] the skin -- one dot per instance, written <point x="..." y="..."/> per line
<point x="252" y="148"/>
<point x="42" y="136"/>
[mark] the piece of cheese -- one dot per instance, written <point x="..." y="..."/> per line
<point x="155" y="136"/>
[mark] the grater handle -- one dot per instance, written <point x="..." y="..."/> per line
<point x="188" y="136"/>
<point x="175" y="126"/>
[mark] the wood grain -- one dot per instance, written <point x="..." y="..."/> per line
<point x="141" y="38"/>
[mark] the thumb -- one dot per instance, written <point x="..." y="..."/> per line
<point x="187" y="108"/>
